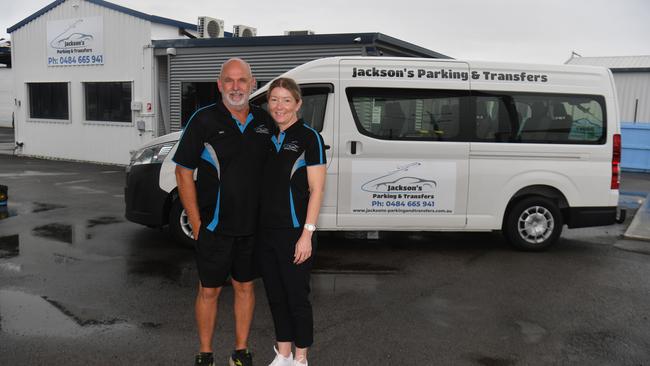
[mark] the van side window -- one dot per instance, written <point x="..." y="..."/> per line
<point x="408" y="114"/>
<point x="496" y="119"/>
<point x="540" y="118"/>
<point x="314" y="103"/>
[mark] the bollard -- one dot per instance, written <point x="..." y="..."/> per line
<point x="4" y="195"/>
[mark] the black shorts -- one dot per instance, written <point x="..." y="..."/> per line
<point x="218" y="256"/>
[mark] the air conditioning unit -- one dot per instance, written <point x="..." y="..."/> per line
<point x="210" y="27"/>
<point x="243" y="31"/>
<point x="299" y="33"/>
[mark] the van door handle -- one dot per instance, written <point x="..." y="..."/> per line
<point x="353" y="147"/>
<point x="327" y="147"/>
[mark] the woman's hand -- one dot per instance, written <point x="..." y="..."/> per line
<point x="303" y="248"/>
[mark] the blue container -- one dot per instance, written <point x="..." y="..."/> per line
<point x="635" y="147"/>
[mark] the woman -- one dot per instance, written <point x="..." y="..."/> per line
<point x="294" y="178"/>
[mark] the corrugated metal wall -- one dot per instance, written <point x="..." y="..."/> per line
<point x="267" y="62"/>
<point x="630" y="87"/>
<point x="6" y="97"/>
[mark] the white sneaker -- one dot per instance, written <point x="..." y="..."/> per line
<point x="298" y="363"/>
<point x="280" y="360"/>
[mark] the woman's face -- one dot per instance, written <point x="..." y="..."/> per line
<point x="283" y="107"/>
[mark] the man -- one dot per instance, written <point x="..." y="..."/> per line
<point x="227" y="143"/>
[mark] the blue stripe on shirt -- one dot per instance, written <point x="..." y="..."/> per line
<point x="320" y="145"/>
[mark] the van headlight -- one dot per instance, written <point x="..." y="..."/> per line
<point x="151" y="154"/>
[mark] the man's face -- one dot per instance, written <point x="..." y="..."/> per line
<point x="235" y="85"/>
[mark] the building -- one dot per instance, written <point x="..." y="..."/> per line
<point x="6" y="85"/>
<point x="632" y="79"/>
<point x="94" y="80"/>
<point x="192" y="64"/>
<point x="84" y="79"/>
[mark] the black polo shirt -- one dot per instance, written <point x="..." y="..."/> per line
<point x="229" y="156"/>
<point x="286" y="190"/>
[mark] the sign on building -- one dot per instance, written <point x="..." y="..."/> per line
<point x="75" y="42"/>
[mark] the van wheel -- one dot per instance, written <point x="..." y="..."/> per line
<point x="533" y="224"/>
<point x="179" y="225"/>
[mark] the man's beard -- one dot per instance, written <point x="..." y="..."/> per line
<point x="240" y="104"/>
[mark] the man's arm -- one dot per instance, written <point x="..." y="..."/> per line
<point x="187" y="193"/>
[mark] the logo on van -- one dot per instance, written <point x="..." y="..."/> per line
<point x="397" y="182"/>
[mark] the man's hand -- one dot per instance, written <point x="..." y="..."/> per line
<point x="187" y="193"/>
<point x="196" y="227"/>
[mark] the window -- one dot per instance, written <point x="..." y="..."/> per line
<point x="195" y="95"/>
<point x="314" y="103"/>
<point x="108" y="101"/>
<point x="409" y="114"/>
<point x="48" y="101"/>
<point x="540" y="118"/>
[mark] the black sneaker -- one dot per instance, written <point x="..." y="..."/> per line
<point x="204" y="359"/>
<point x="241" y="358"/>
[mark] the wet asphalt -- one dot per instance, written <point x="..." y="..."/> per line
<point x="81" y="285"/>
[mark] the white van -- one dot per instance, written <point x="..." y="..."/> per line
<point x="444" y="145"/>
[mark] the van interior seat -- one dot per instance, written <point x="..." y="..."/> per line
<point x="561" y="122"/>
<point x="537" y="125"/>
<point x="392" y="120"/>
<point x="485" y="125"/>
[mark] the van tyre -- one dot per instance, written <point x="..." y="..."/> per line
<point x="179" y="225"/>
<point x="533" y="224"/>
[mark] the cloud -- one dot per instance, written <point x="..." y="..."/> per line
<point x="511" y="30"/>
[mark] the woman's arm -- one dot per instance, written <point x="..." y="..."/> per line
<point x="316" y="180"/>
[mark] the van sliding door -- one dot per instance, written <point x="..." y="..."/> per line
<point x="403" y="154"/>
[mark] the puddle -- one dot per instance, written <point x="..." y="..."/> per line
<point x="103" y="220"/>
<point x="532" y="333"/>
<point x="24" y="314"/>
<point x="324" y="264"/>
<point x="11" y="268"/>
<point x="59" y="232"/>
<point x="42" y="207"/>
<point x="6" y="212"/>
<point x="32" y="173"/>
<point x="495" y="361"/>
<point x="79" y="320"/>
<point x="64" y="259"/>
<point x="151" y="325"/>
<point x="9" y="246"/>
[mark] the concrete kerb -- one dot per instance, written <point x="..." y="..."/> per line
<point x="637" y="235"/>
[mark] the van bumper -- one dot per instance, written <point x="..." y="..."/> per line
<point x="577" y="217"/>
<point x="145" y="201"/>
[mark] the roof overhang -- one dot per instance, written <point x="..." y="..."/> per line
<point x="378" y="40"/>
<point x="109" y="5"/>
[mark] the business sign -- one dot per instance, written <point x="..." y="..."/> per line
<point x="74" y="42"/>
<point x="403" y="187"/>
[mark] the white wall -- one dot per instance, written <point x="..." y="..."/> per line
<point x="631" y="86"/>
<point x="127" y="57"/>
<point x="6" y="96"/>
<point x="162" y="31"/>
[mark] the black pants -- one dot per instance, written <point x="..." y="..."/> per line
<point x="287" y="285"/>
